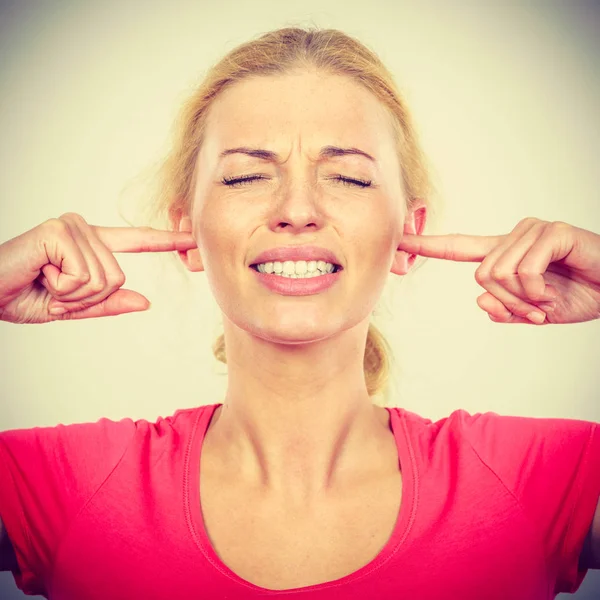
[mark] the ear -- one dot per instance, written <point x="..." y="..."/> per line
<point x="190" y="258"/>
<point x="414" y="223"/>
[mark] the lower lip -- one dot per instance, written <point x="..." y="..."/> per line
<point x="297" y="287"/>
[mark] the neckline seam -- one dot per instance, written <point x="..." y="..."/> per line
<point x="198" y="530"/>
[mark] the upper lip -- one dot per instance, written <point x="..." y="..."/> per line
<point x="294" y="253"/>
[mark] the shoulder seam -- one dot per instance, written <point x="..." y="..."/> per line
<point x="516" y="499"/>
<point x="83" y="506"/>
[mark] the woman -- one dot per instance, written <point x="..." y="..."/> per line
<point x="296" y="183"/>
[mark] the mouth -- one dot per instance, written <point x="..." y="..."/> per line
<point x="336" y="268"/>
<point x="306" y="284"/>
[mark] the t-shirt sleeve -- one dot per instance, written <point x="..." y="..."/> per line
<point x="47" y="475"/>
<point x="552" y="468"/>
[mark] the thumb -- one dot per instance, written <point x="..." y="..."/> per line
<point x="119" y="302"/>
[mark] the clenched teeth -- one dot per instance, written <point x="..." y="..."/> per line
<point x="300" y="268"/>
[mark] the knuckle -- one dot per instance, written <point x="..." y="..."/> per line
<point x="558" y="226"/>
<point x="116" y="281"/>
<point x="73" y="216"/>
<point x="482" y="277"/>
<point x="499" y="274"/>
<point x="529" y="220"/>
<point x="57" y="225"/>
<point x="96" y="287"/>
<point x="83" y="278"/>
<point x="526" y="271"/>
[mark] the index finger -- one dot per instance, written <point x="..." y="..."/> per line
<point x="143" y="239"/>
<point x="454" y="246"/>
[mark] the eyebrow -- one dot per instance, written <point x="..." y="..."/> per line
<point x="326" y="152"/>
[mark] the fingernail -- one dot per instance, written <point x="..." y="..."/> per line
<point x="57" y="310"/>
<point x="536" y="317"/>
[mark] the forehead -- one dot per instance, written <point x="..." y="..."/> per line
<point x="305" y="105"/>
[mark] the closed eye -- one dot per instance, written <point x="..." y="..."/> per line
<point x="359" y="182"/>
<point x="237" y="181"/>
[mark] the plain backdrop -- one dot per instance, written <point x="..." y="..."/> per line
<point x="506" y="97"/>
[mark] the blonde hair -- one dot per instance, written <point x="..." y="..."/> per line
<point x="280" y="52"/>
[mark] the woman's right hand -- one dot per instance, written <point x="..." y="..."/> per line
<point x="68" y="262"/>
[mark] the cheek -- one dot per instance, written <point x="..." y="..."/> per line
<point x="380" y="253"/>
<point x="219" y="234"/>
<point x="372" y="235"/>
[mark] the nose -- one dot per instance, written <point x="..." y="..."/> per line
<point x="297" y="205"/>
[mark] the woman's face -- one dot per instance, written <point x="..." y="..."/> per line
<point x="297" y="201"/>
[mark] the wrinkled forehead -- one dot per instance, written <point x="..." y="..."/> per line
<point x="307" y="110"/>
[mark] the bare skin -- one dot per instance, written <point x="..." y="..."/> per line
<point x="277" y="546"/>
<point x="297" y="422"/>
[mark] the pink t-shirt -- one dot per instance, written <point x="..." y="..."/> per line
<point x="493" y="507"/>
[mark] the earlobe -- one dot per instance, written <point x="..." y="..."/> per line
<point x="402" y="262"/>
<point x="414" y="224"/>
<point x="190" y="258"/>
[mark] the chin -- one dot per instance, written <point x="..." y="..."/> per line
<point x="293" y="334"/>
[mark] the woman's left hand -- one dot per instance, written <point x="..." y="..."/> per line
<point x="522" y="270"/>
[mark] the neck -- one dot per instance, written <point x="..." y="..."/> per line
<point x="298" y="422"/>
